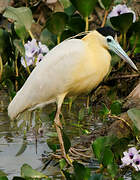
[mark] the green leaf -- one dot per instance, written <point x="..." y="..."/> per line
<point x="52" y="146"/>
<point x="80" y="171"/>
<point x="28" y="172"/>
<point x="122" y="22"/>
<point x="3" y="178"/>
<point x="20" y="30"/>
<point x="104" y="111"/>
<point x="112" y="168"/>
<point x="21" y="15"/>
<point x="66" y="140"/>
<point x="77" y="24"/>
<point x="22" y="148"/>
<point x="62" y="163"/>
<point x="100" y="144"/>
<point x="136" y="176"/>
<point x="17" y="178"/>
<point x="4" y="40"/>
<point x="57" y="23"/>
<point x="19" y="46"/>
<point x="46" y="37"/>
<point x="116" y="107"/>
<point x="107" y="157"/>
<point x="84" y="7"/>
<point x="134" y="115"/>
<point x="68" y="7"/>
<point x="105" y="4"/>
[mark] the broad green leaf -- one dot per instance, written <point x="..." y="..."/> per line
<point x="112" y="168"/>
<point x="4" y="40"/>
<point x="21" y="15"/>
<point x="57" y="23"/>
<point x="66" y="140"/>
<point x="66" y="34"/>
<point x="19" y="46"/>
<point x="80" y="171"/>
<point x="104" y="111"/>
<point x="22" y="148"/>
<point x="3" y="178"/>
<point x="46" y="37"/>
<point x="84" y="7"/>
<point x="62" y="163"/>
<point x="116" y="107"/>
<point x="134" y="115"/>
<point x="136" y="176"/>
<point x="122" y="22"/>
<point x="21" y="31"/>
<point x="105" y="4"/>
<point x="52" y="145"/>
<point x="107" y="157"/>
<point x="28" y="172"/>
<point x="76" y="24"/>
<point x="101" y="143"/>
<point x="68" y="7"/>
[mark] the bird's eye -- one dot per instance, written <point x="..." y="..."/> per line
<point x="109" y="40"/>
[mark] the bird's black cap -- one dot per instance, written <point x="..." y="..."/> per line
<point x="107" y="31"/>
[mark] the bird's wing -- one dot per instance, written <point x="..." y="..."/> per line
<point x="51" y="77"/>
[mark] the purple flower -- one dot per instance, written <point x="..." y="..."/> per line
<point x="136" y="162"/>
<point x="128" y="156"/>
<point x="43" y="48"/>
<point x="34" y="53"/>
<point x="31" y="48"/>
<point x="121" y="9"/>
<point x="29" y="61"/>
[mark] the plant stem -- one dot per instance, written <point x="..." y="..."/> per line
<point x="1" y="67"/>
<point x="31" y="34"/>
<point x="124" y="40"/>
<point x="58" y="39"/>
<point x="87" y="24"/>
<point x="27" y="67"/>
<point x="16" y="82"/>
<point x="104" y="20"/>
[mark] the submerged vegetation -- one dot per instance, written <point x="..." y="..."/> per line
<point x="28" y="30"/>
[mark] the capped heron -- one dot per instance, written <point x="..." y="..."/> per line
<point x="73" y="67"/>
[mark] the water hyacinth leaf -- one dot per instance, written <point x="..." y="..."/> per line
<point x="28" y="172"/>
<point x="112" y="168"/>
<point x="19" y="46"/>
<point x="3" y="178"/>
<point x="84" y="7"/>
<point x="122" y="22"/>
<point x="17" y="178"/>
<point x="57" y="23"/>
<point x="68" y="7"/>
<point x="66" y="34"/>
<point x="52" y="146"/>
<point x="66" y="140"/>
<point x="21" y="15"/>
<point x="136" y="176"/>
<point x="96" y="177"/>
<point x="76" y="23"/>
<point x="104" y="111"/>
<point x="62" y="163"/>
<point x="21" y="31"/>
<point x="48" y="38"/>
<point x="105" y="4"/>
<point x="4" y="40"/>
<point x="107" y="157"/>
<point x="116" y="107"/>
<point x="80" y="171"/>
<point x="134" y="115"/>
<point x="22" y="148"/>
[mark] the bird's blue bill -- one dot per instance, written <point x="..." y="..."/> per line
<point x="116" y="48"/>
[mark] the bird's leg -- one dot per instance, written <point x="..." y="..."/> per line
<point x="58" y="126"/>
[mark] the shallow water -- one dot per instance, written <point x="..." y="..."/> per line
<point x="18" y="147"/>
